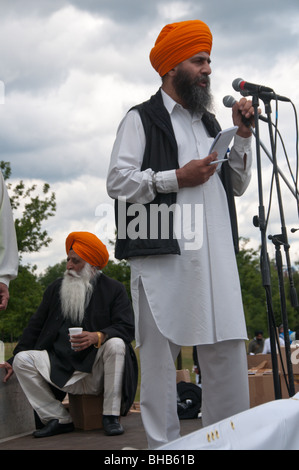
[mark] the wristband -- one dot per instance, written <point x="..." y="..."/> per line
<point x="98" y="345"/>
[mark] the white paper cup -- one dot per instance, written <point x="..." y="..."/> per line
<point x="73" y="332"/>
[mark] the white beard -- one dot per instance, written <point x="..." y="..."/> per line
<point x="75" y="293"/>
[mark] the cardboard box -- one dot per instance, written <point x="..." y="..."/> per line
<point x="183" y="375"/>
<point x="261" y="389"/>
<point x="254" y="360"/>
<point x="260" y="378"/>
<point x="86" y="411"/>
<point x="284" y="388"/>
<point x="294" y="350"/>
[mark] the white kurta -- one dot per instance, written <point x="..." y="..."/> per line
<point x="195" y="297"/>
<point x="9" y="259"/>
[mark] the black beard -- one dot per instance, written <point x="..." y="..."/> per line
<point x="194" y="97"/>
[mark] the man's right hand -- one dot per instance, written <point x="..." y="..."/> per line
<point x="9" y="370"/>
<point x="196" y="172"/>
<point x="4" y="296"/>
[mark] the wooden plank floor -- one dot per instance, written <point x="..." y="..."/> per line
<point x="133" y="437"/>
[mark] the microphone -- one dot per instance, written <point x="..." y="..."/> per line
<point x="229" y="102"/>
<point x="267" y="95"/>
<point x="239" y="85"/>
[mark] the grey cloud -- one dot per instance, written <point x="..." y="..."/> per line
<point x="72" y="73"/>
<point x="30" y="7"/>
<point x="125" y="11"/>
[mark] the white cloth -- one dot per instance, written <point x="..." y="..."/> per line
<point x="195" y="297"/>
<point x="271" y="426"/>
<point x="267" y="345"/>
<point x="9" y="259"/>
<point x="32" y="369"/>
<point x="223" y="370"/>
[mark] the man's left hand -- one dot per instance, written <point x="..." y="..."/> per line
<point x="243" y="109"/>
<point x="84" y="340"/>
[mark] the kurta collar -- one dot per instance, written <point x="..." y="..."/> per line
<point x="170" y="104"/>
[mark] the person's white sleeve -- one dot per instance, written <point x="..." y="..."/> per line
<point x="9" y="259"/>
<point x="125" y="178"/>
<point x="240" y="162"/>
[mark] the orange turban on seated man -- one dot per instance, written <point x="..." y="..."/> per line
<point x="88" y="247"/>
<point x="178" y="42"/>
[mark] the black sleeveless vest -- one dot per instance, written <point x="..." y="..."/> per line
<point x="161" y="154"/>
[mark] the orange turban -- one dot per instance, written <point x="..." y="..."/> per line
<point x="88" y="247"/>
<point x="178" y="42"/>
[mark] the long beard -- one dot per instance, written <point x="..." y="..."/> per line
<point x="75" y="294"/>
<point x="195" y="98"/>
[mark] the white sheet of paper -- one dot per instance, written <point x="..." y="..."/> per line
<point x="222" y="141"/>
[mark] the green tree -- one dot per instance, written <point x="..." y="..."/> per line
<point x="31" y="207"/>
<point x="116" y="270"/>
<point x="119" y="271"/>
<point x="52" y="273"/>
<point x="252" y="290"/>
<point x="34" y="208"/>
<point x="25" y="296"/>
<point x="254" y="295"/>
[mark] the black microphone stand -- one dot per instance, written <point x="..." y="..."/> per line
<point x="278" y="241"/>
<point x="260" y="221"/>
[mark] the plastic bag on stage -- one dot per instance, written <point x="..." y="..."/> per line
<point x="188" y="400"/>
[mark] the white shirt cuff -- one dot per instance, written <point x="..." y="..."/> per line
<point x="166" y="181"/>
<point x="242" y="144"/>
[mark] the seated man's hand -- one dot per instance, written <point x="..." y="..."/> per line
<point x="84" y="340"/>
<point x="9" y="370"/>
<point x="4" y="296"/>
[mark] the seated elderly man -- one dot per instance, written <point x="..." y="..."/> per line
<point x="46" y="360"/>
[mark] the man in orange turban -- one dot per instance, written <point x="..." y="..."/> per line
<point x="98" y="360"/>
<point x="178" y="42"/>
<point x="180" y="256"/>
<point x="88" y="247"/>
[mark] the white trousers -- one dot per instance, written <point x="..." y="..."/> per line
<point x="225" y="390"/>
<point x="32" y="369"/>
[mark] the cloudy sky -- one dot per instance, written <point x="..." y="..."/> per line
<point x="71" y="69"/>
